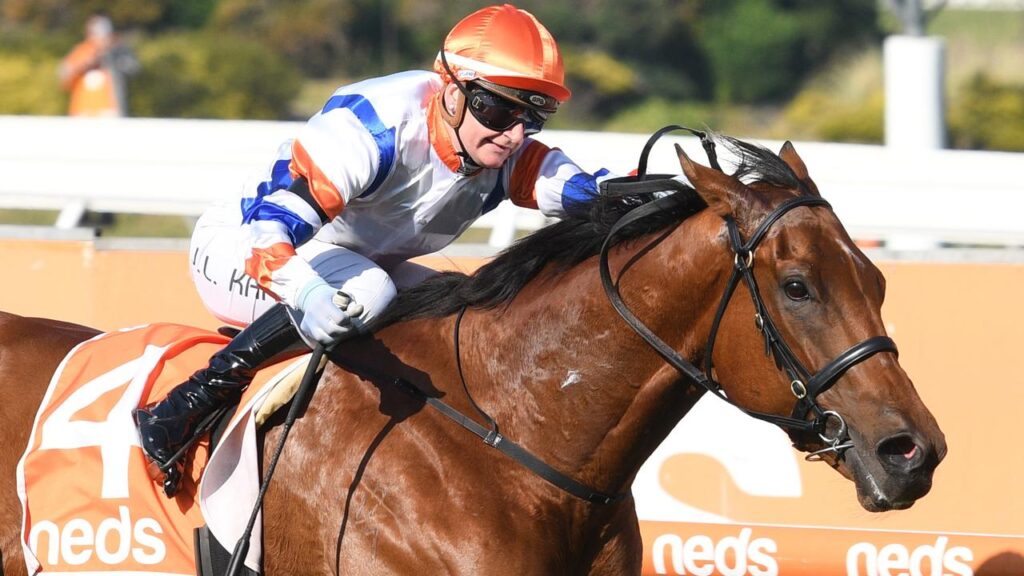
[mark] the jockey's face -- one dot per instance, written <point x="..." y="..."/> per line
<point x="488" y="148"/>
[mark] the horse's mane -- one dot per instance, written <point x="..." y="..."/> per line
<point x="570" y="241"/>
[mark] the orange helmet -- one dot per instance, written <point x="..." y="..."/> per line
<point x="508" y="47"/>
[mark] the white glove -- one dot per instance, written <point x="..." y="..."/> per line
<point x="327" y="314"/>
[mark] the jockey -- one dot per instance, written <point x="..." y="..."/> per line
<point x="389" y="169"/>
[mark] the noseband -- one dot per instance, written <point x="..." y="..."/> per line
<point x="806" y="386"/>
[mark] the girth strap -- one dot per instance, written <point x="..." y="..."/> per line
<point x="495" y="440"/>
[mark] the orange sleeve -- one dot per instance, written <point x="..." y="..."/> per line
<point x="522" y="184"/>
<point x="320" y="186"/>
<point x="264" y="261"/>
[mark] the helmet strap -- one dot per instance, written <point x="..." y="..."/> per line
<point x="469" y="166"/>
<point x="456" y="118"/>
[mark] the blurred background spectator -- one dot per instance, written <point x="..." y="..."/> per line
<point x="94" y="71"/>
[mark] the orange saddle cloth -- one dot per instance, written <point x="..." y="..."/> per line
<point x="89" y="504"/>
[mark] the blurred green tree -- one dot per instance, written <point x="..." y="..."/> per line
<point x="314" y="35"/>
<point x="989" y="115"/>
<point x="28" y="73"/>
<point x="761" y="50"/>
<point x="203" y="75"/>
<point x="67" y="16"/>
<point x="36" y="93"/>
<point x="659" y="41"/>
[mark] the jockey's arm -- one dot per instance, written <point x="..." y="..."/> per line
<point x="546" y="179"/>
<point x="332" y="160"/>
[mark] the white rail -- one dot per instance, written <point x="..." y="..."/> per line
<point x="908" y="199"/>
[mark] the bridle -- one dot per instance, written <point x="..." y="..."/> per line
<point x="805" y="385"/>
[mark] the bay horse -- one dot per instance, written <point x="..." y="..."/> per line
<point x="375" y="481"/>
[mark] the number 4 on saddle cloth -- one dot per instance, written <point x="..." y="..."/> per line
<point x="89" y="504"/>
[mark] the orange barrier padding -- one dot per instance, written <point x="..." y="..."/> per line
<point x="763" y="550"/>
<point x="73" y="281"/>
<point x="110" y="289"/>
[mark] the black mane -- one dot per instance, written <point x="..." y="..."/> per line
<point x="570" y="241"/>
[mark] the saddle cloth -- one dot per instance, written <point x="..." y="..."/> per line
<point x="89" y="505"/>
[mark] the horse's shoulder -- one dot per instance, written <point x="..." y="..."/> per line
<point x="412" y="351"/>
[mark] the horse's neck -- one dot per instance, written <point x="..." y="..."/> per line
<point x="564" y="375"/>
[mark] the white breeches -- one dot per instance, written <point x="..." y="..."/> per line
<point x="218" y="271"/>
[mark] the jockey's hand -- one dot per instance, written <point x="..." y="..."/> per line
<point x="327" y="314"/>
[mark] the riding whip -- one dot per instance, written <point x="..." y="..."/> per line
<point x="302" y="396"/>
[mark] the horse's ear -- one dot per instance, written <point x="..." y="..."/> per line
<point x="796" y="164"/>
<point x="722" y="193"/>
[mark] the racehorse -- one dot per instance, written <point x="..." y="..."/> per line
<point x="572" y="346"/>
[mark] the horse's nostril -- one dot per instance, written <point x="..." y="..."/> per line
<point x="900" y="451"/>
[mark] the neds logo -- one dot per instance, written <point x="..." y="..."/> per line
<point x="731" y="556"/>
<point x="112" y="541"/>
<point x="896" y="560"/>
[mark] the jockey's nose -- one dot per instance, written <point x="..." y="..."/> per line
<point x="517" y="133"/>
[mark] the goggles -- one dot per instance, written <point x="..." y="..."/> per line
<point x="499" y="114"/>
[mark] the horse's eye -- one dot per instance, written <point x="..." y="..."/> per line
<point x="796" y="290"/>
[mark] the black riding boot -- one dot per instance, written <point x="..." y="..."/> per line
<point x="167" y="426"/>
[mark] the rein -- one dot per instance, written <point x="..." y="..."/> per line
<point x="804" y="385"/>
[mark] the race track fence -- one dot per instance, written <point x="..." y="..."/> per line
<point x="908" y="200"/>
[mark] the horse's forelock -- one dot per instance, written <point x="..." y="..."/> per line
<point x="756" y="164"/>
